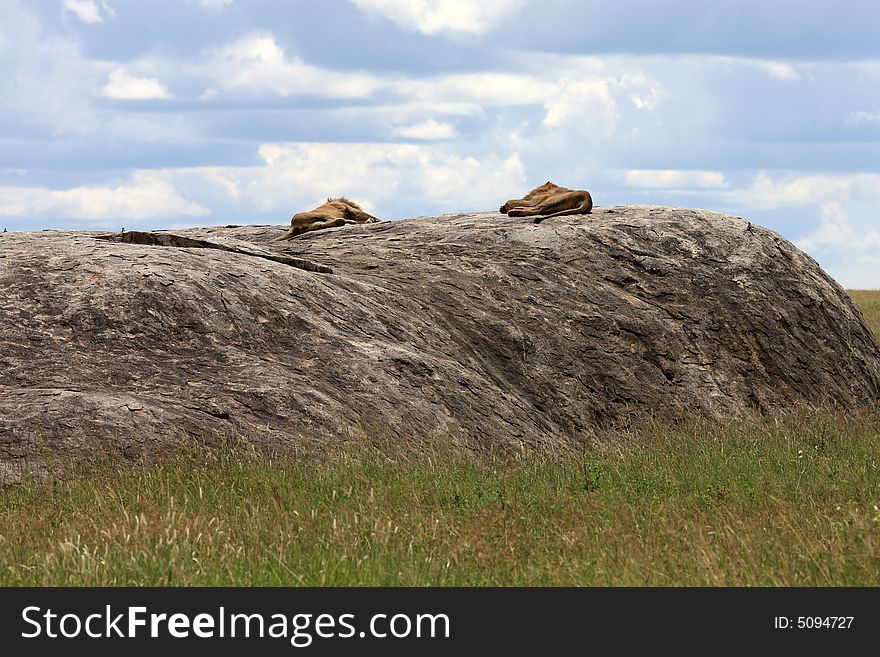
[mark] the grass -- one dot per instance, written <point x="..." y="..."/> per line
<point x="868" y="302"/>
<point x="749" y="503"/>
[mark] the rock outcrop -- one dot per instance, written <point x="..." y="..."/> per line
<point x="471" y="329"/>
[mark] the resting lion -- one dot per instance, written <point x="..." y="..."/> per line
<point x="335" y="212"/>
<point x="549" y="200"/>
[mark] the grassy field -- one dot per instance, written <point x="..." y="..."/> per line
<point x="752" y="503"/>
<point x="869" y="303"/>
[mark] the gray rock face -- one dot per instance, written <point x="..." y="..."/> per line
<point x="472" y="329"/>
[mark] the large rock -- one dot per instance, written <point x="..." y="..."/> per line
<point x="472" y="329"/>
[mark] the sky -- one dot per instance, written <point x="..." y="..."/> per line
<point x="149" y="114"/>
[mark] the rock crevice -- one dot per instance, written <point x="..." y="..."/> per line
<point x="161" y="238"/>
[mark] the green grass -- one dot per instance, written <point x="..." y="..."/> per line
<point x="748" y="503"/>
<point x="868" y="302"/>
<point x="751" y="504"/>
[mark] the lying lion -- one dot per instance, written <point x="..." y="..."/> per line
<point x="549" y="200"/>
<point x="335" y="212"/>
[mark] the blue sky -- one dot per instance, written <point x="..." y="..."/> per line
<point x="161" y="114"/>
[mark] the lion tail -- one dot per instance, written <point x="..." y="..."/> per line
<point x="286" y="236"/>
<point x="583" y="208"/>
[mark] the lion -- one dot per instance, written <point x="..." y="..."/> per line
<point x="335" y="212"/>
<point x="549" y="200"/>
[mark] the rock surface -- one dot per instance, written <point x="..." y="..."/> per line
<point x="472" y="329"/>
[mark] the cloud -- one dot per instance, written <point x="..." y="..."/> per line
<point x="147" y="195"/>
<point x="822" y="29"/>
<point x="584" y="101"/>
<point x="427" y="130"/>
<point x="256" y="63"/>
<point x="387" y="179"/>
<point x="853" y="255"/>
<point x="778" y="70"/>
<point x="861" y="272"/>
<point x="834" y="230"/>
<point x="44" y="78"/>
<point x="767" y="192"/>
<point x="215" y="4"/>
<point x="123" y="86"/>
<point x="862" y="118"/>
<point x="504" y="89"/>
<point x="380" y="172"/>
<point x="674" y="179"/>
<point x="648" y="98"/>
<point x="87" y="10"/>
<point x="435" y="16"/>
<point x="572" y="99"/>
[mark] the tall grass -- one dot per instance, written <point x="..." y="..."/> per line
<point x="745" y="503"/>
<point x="868" y="302"/>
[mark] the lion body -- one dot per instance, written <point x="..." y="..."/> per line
<point x="335" y="212"/>
<point x="549" y="200"/>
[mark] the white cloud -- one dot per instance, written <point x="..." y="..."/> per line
<point x="122" y="86"/>
<point x="256" y="63"/>
<point x="774" y="68"/>
<point x="147" y="195"/>
<point x="506" y="89"/>
<point x="44" y="77"/>
<point x="434" y="16"/>
<point x="87" y="10"/>
<point x="858" y="273"/>
<point x="767" y="192"/>
<point x="862" y="118"/>
<point x="644" y="95"/>
<point x="853" y="253"/>
<point x="833" y="229"/>
<point x="377" y="172"/>
<point x="587" y="102"/>
<point x="409" y="112"/>
<point x="674" y="179"/>
<point x="215" y="4"/>
<point x="572" y="99"/>
<point x="378" y="175"/>
<point x="778" y="70"/>
<point x="427" y="130"/>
